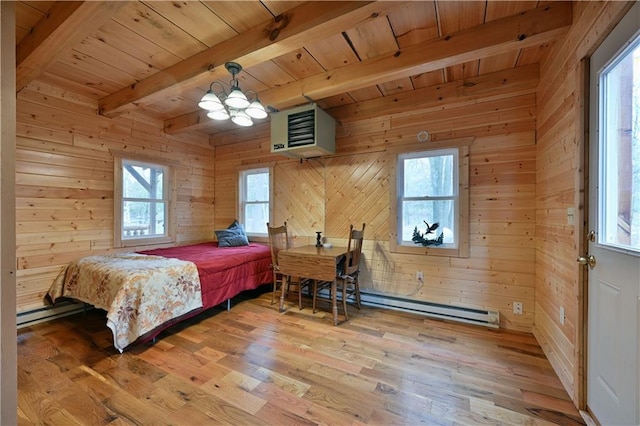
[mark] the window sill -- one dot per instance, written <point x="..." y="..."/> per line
<point x="258" y="239"/>
<point x="145" y="241"/>
<point x="428" y="250"/>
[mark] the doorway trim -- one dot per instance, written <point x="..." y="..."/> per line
<point x="582" y="242"/>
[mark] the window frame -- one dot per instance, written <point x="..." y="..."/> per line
<point x="242" y="175"/>
<point x="169" y="187"/>
<point x="608" y="194"/>
<point x="462" y="203"/>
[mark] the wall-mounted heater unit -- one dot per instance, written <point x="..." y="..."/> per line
<point x="303" y="132"/>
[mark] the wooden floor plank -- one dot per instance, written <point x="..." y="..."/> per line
<point x="255" y="365"/>
<point x="275" y="415"/>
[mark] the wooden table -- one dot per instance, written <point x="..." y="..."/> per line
<point x="318" y="263"/>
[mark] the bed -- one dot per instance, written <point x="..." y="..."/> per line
<point x="146" y="292"/>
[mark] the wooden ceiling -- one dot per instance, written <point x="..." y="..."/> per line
<point x="158" y="58"/>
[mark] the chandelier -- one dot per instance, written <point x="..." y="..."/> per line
<point x="235" y="104"/>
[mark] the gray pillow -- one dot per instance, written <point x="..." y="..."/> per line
<point x="233" y="236"/>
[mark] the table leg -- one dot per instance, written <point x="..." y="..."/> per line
<point x="334" y="303"/>
<point x="283" y="289"/>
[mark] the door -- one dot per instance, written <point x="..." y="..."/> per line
<point x="613" y="260"/>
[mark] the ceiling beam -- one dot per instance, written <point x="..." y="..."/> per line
<point x="66" y="25"/>
<point x="454" y="94"/>
<point x="527" y="29"/>
<point x="287" y="32"/>
<point x="467" y="91"/>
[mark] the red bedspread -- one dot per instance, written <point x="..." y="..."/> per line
<point x="224" y="272"/>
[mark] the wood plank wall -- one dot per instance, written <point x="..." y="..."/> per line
<point x="560" y="140"/>
<point x="65" y="190"/>
<point x="329" y="193"/>
<point x="64" y="182"/>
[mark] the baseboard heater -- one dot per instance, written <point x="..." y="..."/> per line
<point x="435" y="310"/>
<point x="60" y="310"/>
<point x="430" y="309"/>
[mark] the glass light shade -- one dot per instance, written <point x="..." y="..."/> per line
<point x="241" y="118"/>
<point x="256" y="110"/>
<point x="237" y="99"/>
<point x="220" y="114"/>
<point x="210" y="102"/>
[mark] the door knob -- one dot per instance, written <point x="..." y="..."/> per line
<point x="588" y="260"/>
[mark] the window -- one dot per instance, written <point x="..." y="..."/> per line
<point x="431" y="187"/>
<point x="143" y="203"/>
<point x="619" y="144"/>
<point x="254" y="193"/>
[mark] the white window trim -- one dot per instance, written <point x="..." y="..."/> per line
<point x="241" y="191"/>
<point x="170" y="237"/>
<point x="607" y="196"/>
<point x="462" y="249"/>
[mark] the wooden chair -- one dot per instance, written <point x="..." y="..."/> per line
<point x="278" y="240"/>
<point x="347" y="273"/>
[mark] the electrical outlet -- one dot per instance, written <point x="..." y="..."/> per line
<point x="517" y="308"/>
<point x="420" y="276"/>
<point x="562" y="315"/>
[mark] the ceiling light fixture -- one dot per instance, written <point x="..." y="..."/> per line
<point x="235" y="105"/>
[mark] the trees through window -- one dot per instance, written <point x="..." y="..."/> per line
<point x="254" y="197"/>
<point x="431" y="187"/>
<point x="143" y="203"/>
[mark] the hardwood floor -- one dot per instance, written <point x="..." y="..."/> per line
<point x="253" y="365"/>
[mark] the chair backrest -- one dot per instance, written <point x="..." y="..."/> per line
<point x="278" y="240"/>
<point x="354" y="250"/>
